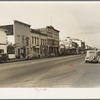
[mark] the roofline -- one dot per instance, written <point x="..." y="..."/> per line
<point x="21" y="23"/>
<point x="34" y="31"/>
<point x="3" y="29"/>
<point x="48" y="27"/>
<point x="37" y="32"/>
<point x="53" y="28"/>
<point x="7" y="25"/>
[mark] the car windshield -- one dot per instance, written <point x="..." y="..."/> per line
<point x="98" y="53"/>
<point x="94" y="53"/>
<point x="91" y="52"/>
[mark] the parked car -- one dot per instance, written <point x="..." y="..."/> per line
<point x="92" y="56"/>
<point x="4" y="57"/>
<point x="32" y="56"/>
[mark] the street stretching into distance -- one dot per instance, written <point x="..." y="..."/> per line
<point x="56" y="72"/>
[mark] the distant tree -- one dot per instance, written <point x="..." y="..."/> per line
<point x="10" y="49"/>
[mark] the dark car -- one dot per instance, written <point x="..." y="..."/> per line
<point x="4" y="57"/>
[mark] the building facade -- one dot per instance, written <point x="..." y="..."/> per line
<point x="43" y="45"/>
<point x="44" y="41"/>
<point x="52" y="40"/>
<point x="22" y="37"/>
<point x="70" y="46"/>
<point x="39" y="42"/>
<point x="3" y="46"/>
<point x="19" y="36"/>
<point x="9" y="33"/>
<point x="35" y="42"/>
<point x="81" y="45"/>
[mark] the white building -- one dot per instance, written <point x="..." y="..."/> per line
<point x="3" y="46"/>
<point x="67" y="42"/>
<point x="79" y="42"/>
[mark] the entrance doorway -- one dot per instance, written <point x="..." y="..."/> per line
<point x="18" y="53"/>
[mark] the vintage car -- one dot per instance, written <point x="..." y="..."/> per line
<point x="4" y="57"/>
<point x="92" y="56"/>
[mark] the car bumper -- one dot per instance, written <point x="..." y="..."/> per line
<point x="95" y="60"/>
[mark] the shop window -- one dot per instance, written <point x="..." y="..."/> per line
<point x="32" y="39"/>
<point x="35" y="40"/>
<point x="1" y="51"/>
<point x="27" y="41"/>
<point x="45" y="42"/>
<point x="23" y="40"/>
<point x="27" y="51"/>
<point x="41" y="41"/>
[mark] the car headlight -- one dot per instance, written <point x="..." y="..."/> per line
<point x="86" y="57"/>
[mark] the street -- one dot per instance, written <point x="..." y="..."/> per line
<point x="57" y="72"/>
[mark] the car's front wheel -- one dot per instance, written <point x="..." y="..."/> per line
<point x="85" y="61"/>
<point x="99" y="62"/>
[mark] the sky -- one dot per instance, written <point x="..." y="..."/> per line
<point x="76" y="19"/>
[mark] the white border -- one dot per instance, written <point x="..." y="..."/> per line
<point x="50" y="93"/>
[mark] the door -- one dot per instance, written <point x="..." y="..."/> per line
<point x="24" y="52"/>
<point x="19" y="53"/>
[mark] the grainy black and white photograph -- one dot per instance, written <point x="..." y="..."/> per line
<point x="49" y="44"/>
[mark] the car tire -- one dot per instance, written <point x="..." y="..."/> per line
<point x="98" y="62"/>
<point x="91" y="58"/>
<point x="85" y="61"/>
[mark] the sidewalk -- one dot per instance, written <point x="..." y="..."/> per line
<point x="16" y="60"/>
<point x="23" y="59"/>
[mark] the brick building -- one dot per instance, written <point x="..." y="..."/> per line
<point x="39" y="42"/>
<point x="52" y="40"/>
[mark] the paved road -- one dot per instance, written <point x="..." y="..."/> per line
<point x="68" y="71"/>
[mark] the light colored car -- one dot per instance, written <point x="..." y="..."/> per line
<point x="92" y="56"/>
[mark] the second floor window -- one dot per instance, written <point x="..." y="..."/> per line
<point x="41" y="41"/>
<point x="32" y="39"/>
<point x="45" y="42"/>
<point x="27" y="41"/>
<point x="23" y="40"/>
<point x="37" y="41"/>
<point x="18" y="36"/>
